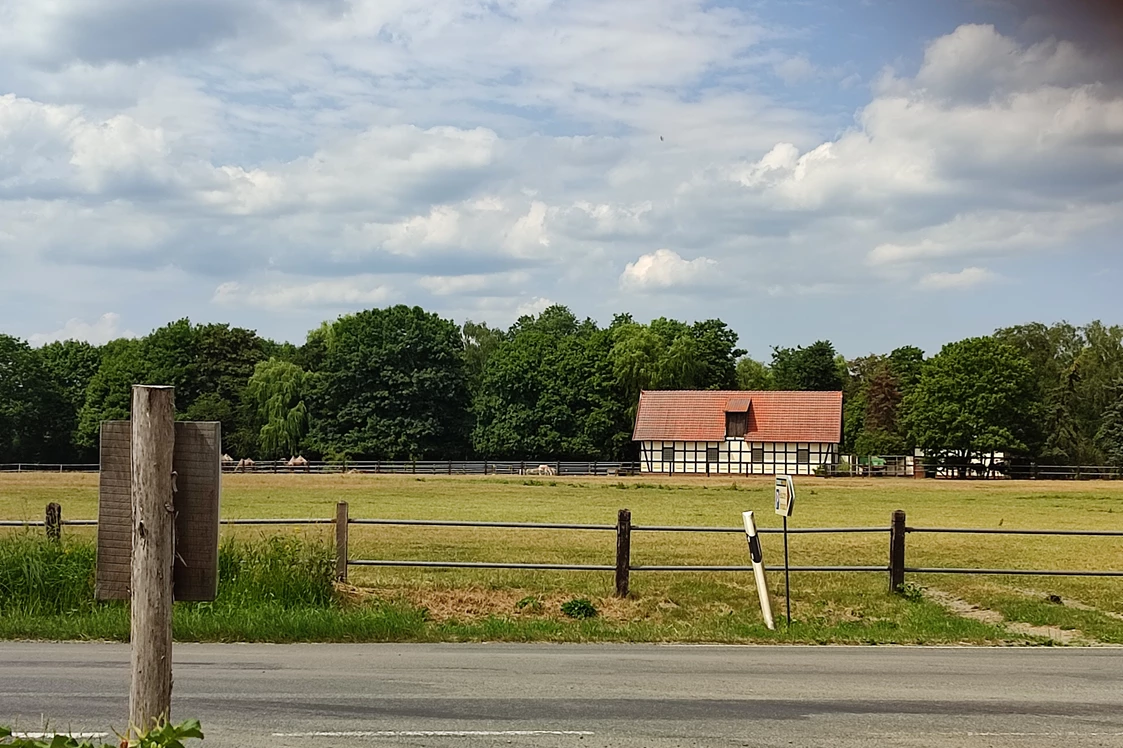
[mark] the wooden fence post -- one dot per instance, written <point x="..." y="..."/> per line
<point x="153" y="510"/>
<point x="53" y="522"/>
<point x="342" y="520"/>
<point x="897" y="550"/>
<point x="623" y="551"/>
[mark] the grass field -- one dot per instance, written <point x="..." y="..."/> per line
<point x="684" y="606"/>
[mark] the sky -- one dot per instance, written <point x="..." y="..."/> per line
<point x="872" y="172"/>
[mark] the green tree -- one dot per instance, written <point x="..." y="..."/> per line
<point x="812" y="369"/>
<point x="35" y="420"/>
<point x="391" y="385"/>
<point x="480" y="341"/>
<point x="669" y="354"/>
<point x="754" y="375"/>
<point x="550" y="390"/>
<point x="70" y="365"/>
<point x="1074" y="368"/>
<point x="209" y="365"/>
<point x="108" y="396"/>
<point x="975" y="396"/>
<point x="1110" y="435"/>
<point x="275" y="394"/>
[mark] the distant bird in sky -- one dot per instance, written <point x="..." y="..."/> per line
<point x="660" y="137"/>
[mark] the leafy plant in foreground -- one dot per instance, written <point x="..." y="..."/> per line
<point x="579" y="607"/>
<point x="162" y="735"/>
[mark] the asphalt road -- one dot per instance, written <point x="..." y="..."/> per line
<point x="596" y="695"/>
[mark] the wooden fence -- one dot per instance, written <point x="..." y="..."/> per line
<point x="895" y="567"/>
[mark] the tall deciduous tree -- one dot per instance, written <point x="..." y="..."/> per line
<point x="549" y="390"/>
<point x="973" y="397"/>
<point x="208" y="365"/>
<point x="754" y="375"/>
<point x="391" y="385"/>
<point x="1110" y="435"/>
<point x="669" y="354"/>
<point x="275" y="395"/>
<point x="813" y="368"/>
<point x="35" y="420"/>
<point x="70" y="365"/>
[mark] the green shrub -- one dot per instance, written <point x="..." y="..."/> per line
<point x="911" y="592"/>
<point x="287" y="571"/>
<point x="530" y="603"/>
<point x="162" y="735"/>
<point x="38" y="577"/>
<point x="580" y="607"/>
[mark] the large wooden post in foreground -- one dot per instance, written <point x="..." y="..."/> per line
<point x="153" y="522"/>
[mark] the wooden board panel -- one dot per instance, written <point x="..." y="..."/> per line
<point x="114" y="513"/>
<point x="198" y="464"/>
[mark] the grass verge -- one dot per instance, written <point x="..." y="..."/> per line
<point x="280" y="590"/>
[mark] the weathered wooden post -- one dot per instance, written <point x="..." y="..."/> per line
<point x="623" y="551"/>
<point x="153" y="517"/>
<point x="897" y="550"/>
<point x="53" y="522"/>
<point x="341" y="522"/>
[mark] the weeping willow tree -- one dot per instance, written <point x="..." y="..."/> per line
<point x="276" y="393"/>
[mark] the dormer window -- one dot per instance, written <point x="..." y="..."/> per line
<point x="736" y="425"/>
<point x="737" y="417"/>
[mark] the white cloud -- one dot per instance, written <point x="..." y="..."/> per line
<point x="534" y="306"/>
<point x="475" y="284"/>
<point x="340" y="292"/>
<point x="495" y="155"/>
<point x="105" y="328"/>
<point x="664" y="269"/>
<point x="793" y="70"/>
<point x="965" y="278"/>
<point x="528" y="234"/>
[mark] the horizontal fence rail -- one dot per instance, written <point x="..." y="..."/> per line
<point x="896" y="567"/>
<point x="1019" y="572"/>
<point x="896" y="467"/>
<point x="542" y="468"/>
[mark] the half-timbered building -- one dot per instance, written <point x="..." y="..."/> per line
<point x="737" y="432"/>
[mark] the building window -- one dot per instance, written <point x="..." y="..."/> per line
<point x="757" y="454"/>
<point x="736" y="424"/>
<point x="669" y="454"/>
<point x="711" y="454"/>
<point x="803" y="456"/>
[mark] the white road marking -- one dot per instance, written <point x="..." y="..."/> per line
<point x="426" y="733"/>
<point x="75" y="735"/>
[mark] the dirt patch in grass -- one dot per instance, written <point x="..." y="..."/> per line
<point x="1067" y="602"/>
<point x="478" y="602"/>
<point x="961" y="607"/>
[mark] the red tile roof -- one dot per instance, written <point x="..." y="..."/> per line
<point x="699" y="415"/>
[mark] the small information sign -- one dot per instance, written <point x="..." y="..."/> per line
<point x="785" y="495"/>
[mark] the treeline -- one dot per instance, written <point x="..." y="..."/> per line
<point x="403" y="383"/>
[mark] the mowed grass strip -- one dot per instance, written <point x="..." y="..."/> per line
<point x="672" y="605"/>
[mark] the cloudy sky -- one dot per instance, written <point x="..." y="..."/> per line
<point x="868" y="171"/>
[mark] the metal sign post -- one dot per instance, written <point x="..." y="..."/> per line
<point x="785" y="502"/>
<point x="758" y="569"/>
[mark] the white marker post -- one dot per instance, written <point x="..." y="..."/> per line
<point x="758" y="569"/>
